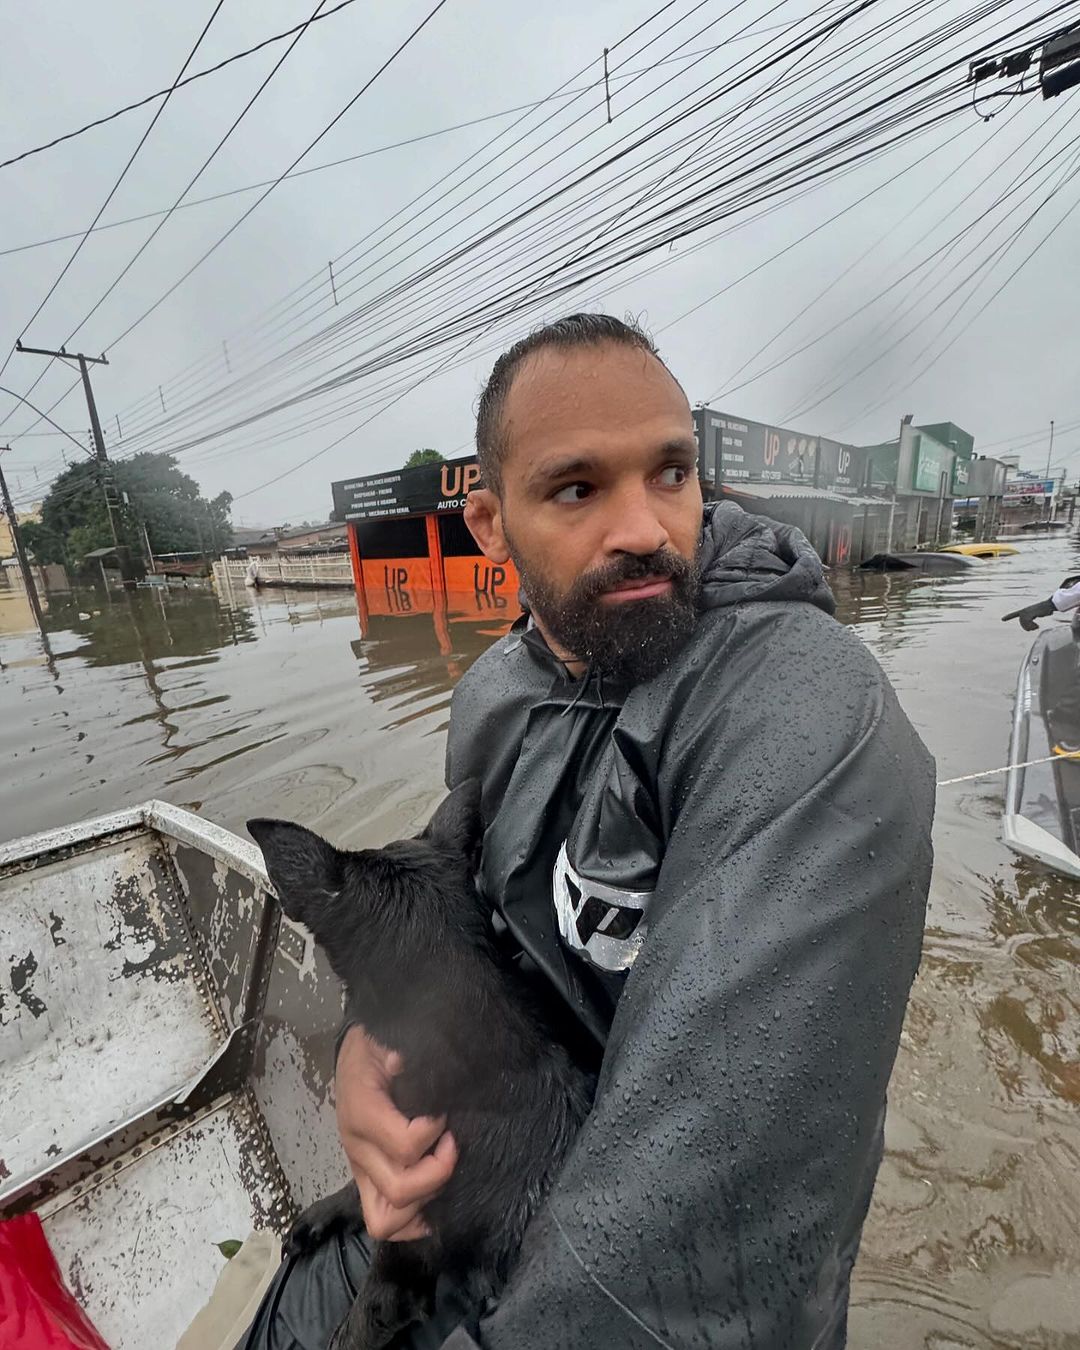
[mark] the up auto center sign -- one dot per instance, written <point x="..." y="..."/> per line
<point x="426" y="490"/>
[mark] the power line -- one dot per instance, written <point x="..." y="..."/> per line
<point x="392" y="292"/>
<point x="166" y="93"/>
<point x="1068" y="175"/>
<point x="59" y="429"/>
<point x="849" y="267"/>
<point x="168" y="214"/>
<point x="815" y="229"/>
<point x="401" y="389"/>
<point x="301" y="464"/>
<point x="407" y="211"/>
<point x="352" y="403"/>
<point x="115" y="188"/>
<point x="306" y="151"/>
<point x="198" y="174"/>
<point x="940" y="253"/>
<point x="481" y="316"/>
<point x="347" y="159"/>
<point x="626" y="37"/>
<point x="255" y="205"/>
<point x="807" y="406"/>
<point x="1022" y="438"/>
<point x="471" y="185"/>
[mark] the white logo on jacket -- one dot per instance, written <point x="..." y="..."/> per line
<point x="605" y="925"/>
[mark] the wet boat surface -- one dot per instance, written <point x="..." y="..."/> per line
<point x="156" y="1102"/>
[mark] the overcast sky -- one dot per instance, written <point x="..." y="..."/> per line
<point x="1006" y="375"/>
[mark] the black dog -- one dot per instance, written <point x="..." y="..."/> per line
<point x="404" y="929"/>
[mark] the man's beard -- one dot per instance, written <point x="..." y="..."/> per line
<point x="628" y="640"/>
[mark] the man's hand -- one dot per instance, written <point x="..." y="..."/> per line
<point x="1030" y="613"/>
<point x="399" y="1164"/>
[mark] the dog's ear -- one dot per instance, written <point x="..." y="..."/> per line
<point x="457" y="823"/>
<point x="307" y="872"/>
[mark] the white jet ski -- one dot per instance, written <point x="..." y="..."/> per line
<point x="1042" y="802"/>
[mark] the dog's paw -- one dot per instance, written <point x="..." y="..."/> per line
<point x="336" y="1214"/>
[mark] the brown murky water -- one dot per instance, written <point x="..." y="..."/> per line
<point x="276" y="706"/>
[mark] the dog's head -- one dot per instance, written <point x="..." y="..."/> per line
<point x="383" y="903"/>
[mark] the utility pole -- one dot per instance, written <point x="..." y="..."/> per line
<point x="108" y="486"/>
<point x="20" y="552"/>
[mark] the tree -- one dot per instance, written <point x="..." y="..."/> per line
<point x="424" y="456"/>
<point x="160" y="497"/>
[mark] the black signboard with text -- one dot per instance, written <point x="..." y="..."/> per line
<point x="742" y="451"/>
<point x="425" y="490"/>
<point x="737" y="450"/>
<point x="840" y="467"/>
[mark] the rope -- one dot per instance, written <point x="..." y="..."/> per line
<point x="1028" y="764"/>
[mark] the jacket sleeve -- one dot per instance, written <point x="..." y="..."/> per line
<point x="1066" y="596"/>
<point x="717" y="1191"/>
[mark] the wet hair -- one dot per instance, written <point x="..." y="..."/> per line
<point x="575" y="330"/>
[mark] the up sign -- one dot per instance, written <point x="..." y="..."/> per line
<point x="458" y="480"/>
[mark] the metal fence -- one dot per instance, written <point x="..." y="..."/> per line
<point x="331" y="572"/>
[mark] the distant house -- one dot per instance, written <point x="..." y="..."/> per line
<point x="304" y="540"/>
<point x="7" y="541"/>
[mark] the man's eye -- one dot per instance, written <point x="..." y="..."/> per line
<point x="573" y="493"/>
<point x="675" y="475"/>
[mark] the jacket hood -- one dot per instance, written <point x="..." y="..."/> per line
<point x="748" y="557"/>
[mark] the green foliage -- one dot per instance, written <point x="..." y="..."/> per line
<point x="229" y="1247"/>
<point x="43" y="544"/>
<point x="423" y="456"/>
<point x="75" y="519"/>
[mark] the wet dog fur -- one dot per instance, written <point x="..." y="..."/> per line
<point x="405" y="931"/>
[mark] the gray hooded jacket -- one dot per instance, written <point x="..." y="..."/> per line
<point x="723" y="873"/>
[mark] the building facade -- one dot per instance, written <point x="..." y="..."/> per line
<point x="823" y="486"/>
<point x="412" y="552"/>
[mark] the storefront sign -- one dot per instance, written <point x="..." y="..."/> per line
<point x="753" y="452"/>
<point x="1017" y="490"/>
<point x="840" y="467"/>
<point x="422" y="491"/>
<point x="931" y="461"/>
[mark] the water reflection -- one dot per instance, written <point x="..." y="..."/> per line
<point x="403" y="661"/>
<point x="276" y="704"/>
<point x="270" y="703"/>
<point x="145" y="626"/>
<point x="971" y="1236"/>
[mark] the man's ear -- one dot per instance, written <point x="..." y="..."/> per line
<point x="457" y="823"/>
<point x="307" y="872"/>
<point x="483" y="516"/>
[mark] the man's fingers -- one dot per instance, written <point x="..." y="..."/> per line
<point x="383" y="1221"/>
<point x="400" y="1140"/>
<point x="398" y="1164"/>
<point x="404" y="1187"/>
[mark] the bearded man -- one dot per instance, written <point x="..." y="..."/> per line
<point x="707" y="839"/>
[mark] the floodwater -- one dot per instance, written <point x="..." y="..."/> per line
<point x="276" y="706"/>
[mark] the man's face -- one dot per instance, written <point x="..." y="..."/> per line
<point x="600" y="506"/>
